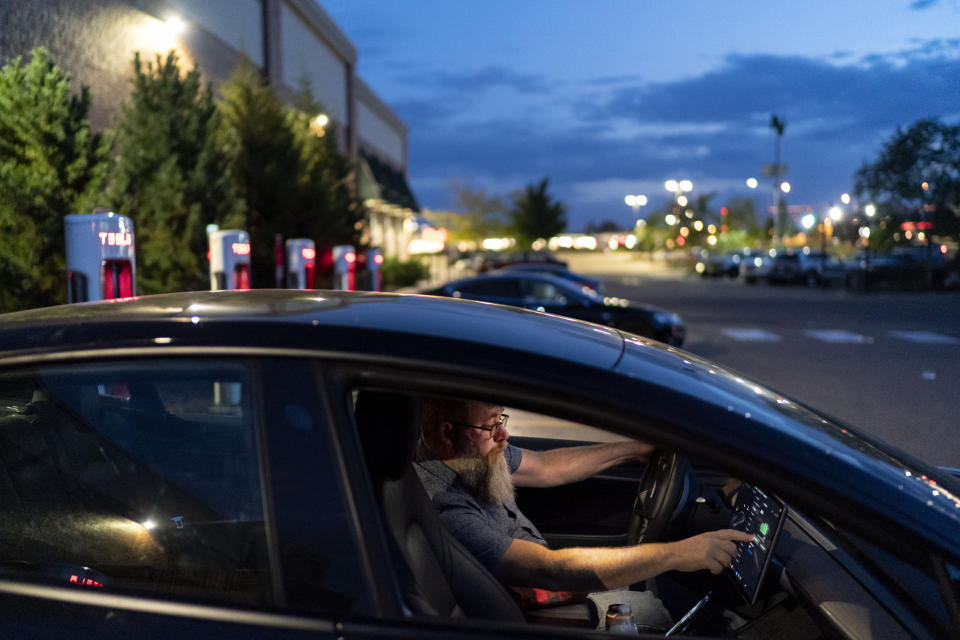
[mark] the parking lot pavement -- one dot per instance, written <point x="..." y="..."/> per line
<point x="624" y="263"/>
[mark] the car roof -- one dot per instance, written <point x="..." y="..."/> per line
<point x="140" y="321"/>
<point x="527" y="274"/>
<point x="635" y="378"/>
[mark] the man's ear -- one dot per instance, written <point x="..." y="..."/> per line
<point x="444" y="444"/>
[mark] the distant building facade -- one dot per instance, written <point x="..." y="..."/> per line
<point x="295" y="42"/>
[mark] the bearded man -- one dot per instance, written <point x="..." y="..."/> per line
<point x="469" y="470"/>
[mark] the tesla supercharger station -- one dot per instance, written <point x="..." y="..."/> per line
<point x="100" y="256"/>
<point x="301" y="264"/>
<point x="374" y="262"/>
<point x="344" y="267"/>
<point x="229" y="260"/>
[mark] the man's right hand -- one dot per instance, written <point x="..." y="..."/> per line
<point x="712" y="551"/>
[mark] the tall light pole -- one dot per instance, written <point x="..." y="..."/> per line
<point x="870" y="210"/>
<point x="776" y="172"/>
<point x="635" y="201"/>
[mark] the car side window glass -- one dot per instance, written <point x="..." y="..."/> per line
<point x="494" y="288"/>
<point x="134" y="477"/>
<point x="543" y="292"/>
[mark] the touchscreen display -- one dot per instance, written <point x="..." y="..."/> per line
<point x="760" y="514"/>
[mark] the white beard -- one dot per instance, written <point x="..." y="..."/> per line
<point x="487" y="476"/>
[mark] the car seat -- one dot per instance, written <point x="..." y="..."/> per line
<point x="438" y="577"/>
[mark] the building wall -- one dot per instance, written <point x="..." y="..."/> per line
<point x="238" y="23"/>
<point x="379" y="130"/>
<point x="307" y="58"/>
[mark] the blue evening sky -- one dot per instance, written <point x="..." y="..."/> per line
<point x="611" y="97"/>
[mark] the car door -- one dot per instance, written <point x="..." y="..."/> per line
<point x="178" y="496"/>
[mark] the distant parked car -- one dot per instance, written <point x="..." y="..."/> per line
<point x="721" y="264"/>
<point x="810" y="267"/>
<point x="903" y="268"/>
<point x="550" y="294"/>
<point x="755" y="268"/>
<point x="490" y="260"/>
<point x="558" y="270"/>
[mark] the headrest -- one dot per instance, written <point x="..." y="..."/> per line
<point x="388" y="427"/>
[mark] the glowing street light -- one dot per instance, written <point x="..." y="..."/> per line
<point x="682" y="200"/>
<point x="318" y="124"/>
<point x="752" y="183"/>
<point x="785" y="186"/>
<point x="870" y="210"/>
<point x="685" y="185"/>
<point x="835" y="213"/>
<point x="808" y="221"/>
<point x="175" y="24"/>
<point x="845" y="198"/>
<point x="671" y="185"/>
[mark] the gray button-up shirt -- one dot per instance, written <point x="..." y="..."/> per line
<point x="484" y="528"/>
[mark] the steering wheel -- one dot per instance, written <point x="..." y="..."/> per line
<point x="660" y="493"/>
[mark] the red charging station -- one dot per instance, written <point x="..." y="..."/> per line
<point x="100" y="256"/>
<point x="301" y="264"/>
<point x="374" y="264"/>
<point x="344" y="267"/>
<point x="229" y="259"/>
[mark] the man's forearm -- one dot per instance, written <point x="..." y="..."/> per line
<point x="572" y="464"/>
<point x="528" y="564"/>
<point x="583" y="568"/>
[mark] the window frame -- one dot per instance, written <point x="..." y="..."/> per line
<point x="275" y="493"/>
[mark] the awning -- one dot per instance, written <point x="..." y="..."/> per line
<point x="380" y="181"/>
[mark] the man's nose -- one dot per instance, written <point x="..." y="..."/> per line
<point x="500" y="434"/>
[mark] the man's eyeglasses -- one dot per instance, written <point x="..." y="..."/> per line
<point x="499" y="424"/>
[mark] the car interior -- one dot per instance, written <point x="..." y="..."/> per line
<point x="808" y="586"/>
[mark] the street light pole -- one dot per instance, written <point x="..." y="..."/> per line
<point x="870" y="210"/>
<point x="635" y="201"/>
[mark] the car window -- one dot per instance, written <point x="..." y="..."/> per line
<point x="492" y="288"/>
<point x="104" y="487"/>
<point x="543" y="292"/>
<point x="144" y="476"/>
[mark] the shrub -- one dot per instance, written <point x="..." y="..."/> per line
<point x="397" y="274"/>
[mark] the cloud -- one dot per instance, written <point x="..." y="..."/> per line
<point x="613" y="137"/>
<point x="480" y="80"/>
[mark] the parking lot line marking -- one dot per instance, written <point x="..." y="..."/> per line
<point x="925" y="337"/>
<point x="838" y="336"/>
<point x="750" y="335"/>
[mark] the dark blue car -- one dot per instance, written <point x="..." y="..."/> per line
<point x="549" y="293"/>
<point x="238" y="464"/>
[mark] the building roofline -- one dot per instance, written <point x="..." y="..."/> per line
<point x="367" y="97"/>
<point x="321" y="21"/>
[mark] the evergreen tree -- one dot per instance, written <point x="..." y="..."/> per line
<point x="535" y="215"/>
<point x="327" y="211"/>
<point x="266" y="166"/>
<point x="170" y="174"/>
<point x="51" y="164"/>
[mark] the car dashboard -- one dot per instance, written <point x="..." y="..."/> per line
<point x="814" y="587"/>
